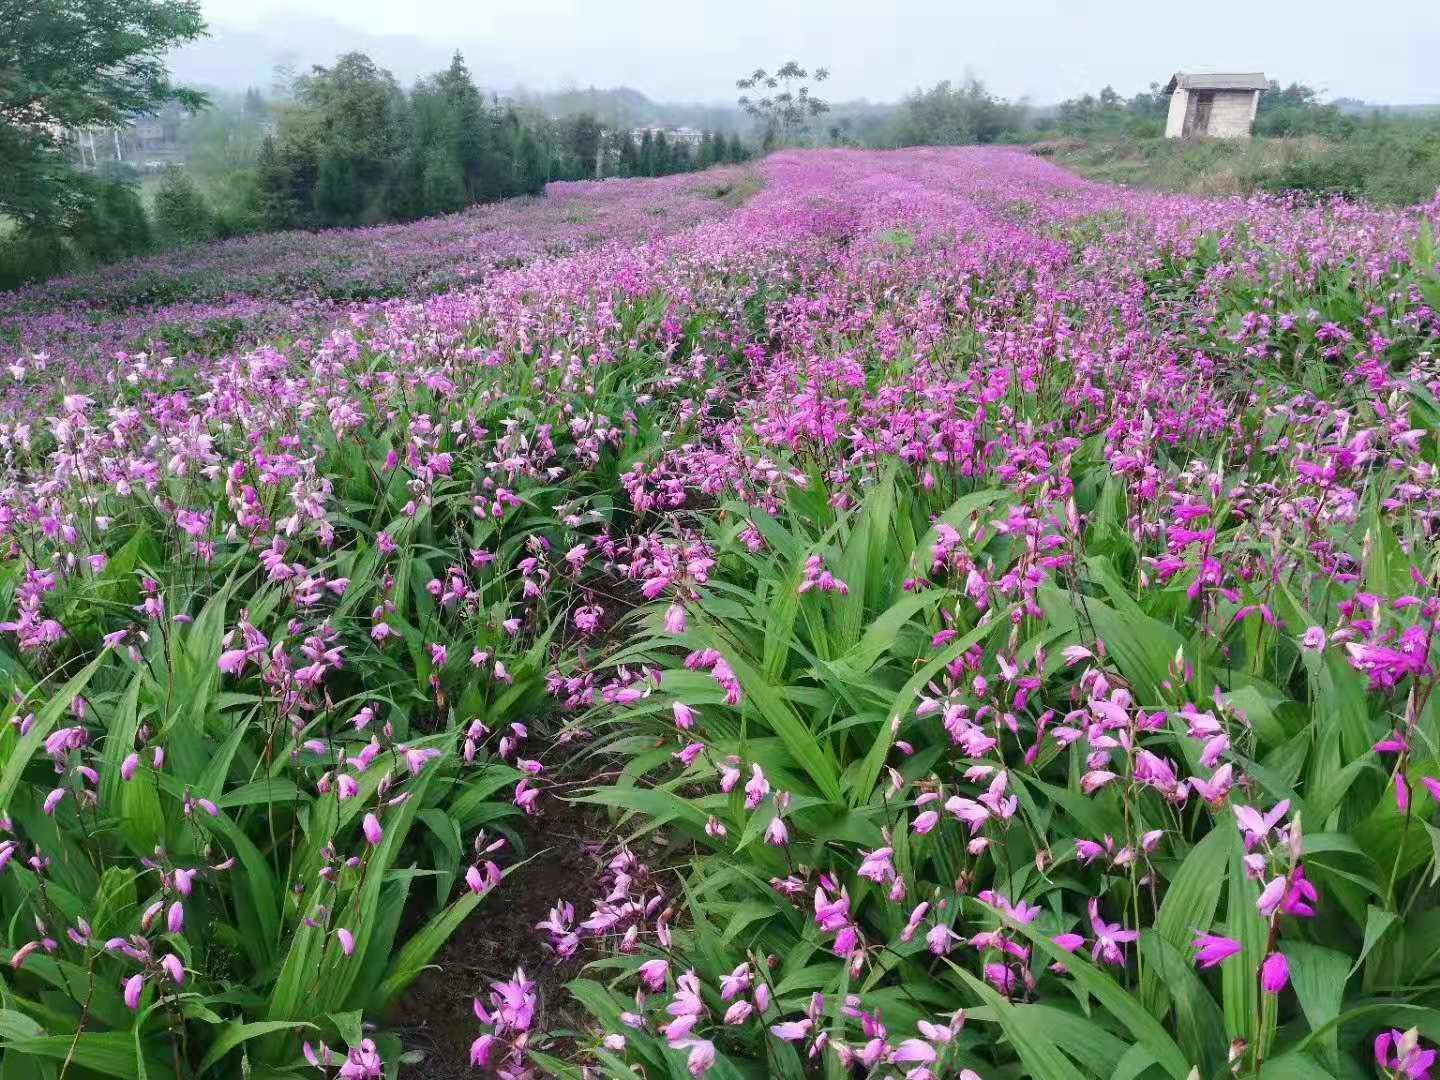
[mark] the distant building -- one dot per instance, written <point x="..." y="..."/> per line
<point x="688" y="135"/>
<point x="147" y="142"/>
<point x="1213" y="106"/>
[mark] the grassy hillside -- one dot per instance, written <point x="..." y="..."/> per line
<point x="1398" y="165"/>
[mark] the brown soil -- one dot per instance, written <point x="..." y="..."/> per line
<point x="435" y="1017"/>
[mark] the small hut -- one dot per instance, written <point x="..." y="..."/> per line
<point x="1213" y="106"/>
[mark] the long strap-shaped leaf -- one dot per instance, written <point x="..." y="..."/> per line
<point x="775" y="712"/>
<point x="1147" y="1030"/>
<point x="31" y="740"/>
<point x="875" y="759"/>
<point x="1040" y="1056"/>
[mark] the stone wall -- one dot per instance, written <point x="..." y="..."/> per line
<point x="1232" y="112"/>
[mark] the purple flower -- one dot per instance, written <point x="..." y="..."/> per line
<point x="1068" y="942"/>
<point x="1401" y="1055"/>
<point x="1211" y="949"/>
<point x="1274" y="973"/>
<point x="373" y="832"/>
<point x="653" y="974"/>
<point x="1270" y="898"/>
<point x="1300" y="895"/>
<point x="480" y="1051"/>
<point x="791" y="1030"/>
<point x="134" y="987"/>
<point x="232" y="661"/>
<point x="1257" y="826"/>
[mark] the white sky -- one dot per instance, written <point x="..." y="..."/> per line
<point x="1380" y="50"/>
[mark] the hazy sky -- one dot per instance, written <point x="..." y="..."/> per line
<point x="1379" y="50"/>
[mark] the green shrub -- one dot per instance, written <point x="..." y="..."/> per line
<point x="114" y="226"/>
<point x="181" y="213"/>
<point x="31" y="256"/>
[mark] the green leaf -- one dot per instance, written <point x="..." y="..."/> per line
<point x="1318" y="976"/>
<point x="1190" y="902"/>
<point x="31" y="741"/>
<point x="1147" y="1031"/>
<point x="422" y="946"/>
<point x="880" y="635"/>
<point x="1238" y="974"/>
<point x="1025" y="1031"/>
<point x="1199" y="1024"/>
<point x="236" y="1033"/>
<point x="1293" y="1066"/>
<point x="775" y="711"/>
<point x="1084" y="1040"/>
<point x="109" y="1053"/>
<point x="875" y="759"/>
<point x="265" y="791"/>
<point x="1377" y="922"/>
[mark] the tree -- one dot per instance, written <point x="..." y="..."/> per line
<point x="1108" y="115"/>
<point x="628" y="156"/>
<point x="948" y="115"/>
<point x="582" y="135"/>
<point x="345" y="128"/>
<point x="531" y="165"/>
<point x="462" y="120"/>
<point x="181" y="213"/>
<point x="70" y="64"/>
<point x="442" y="182"/>
<point x="339" y="195"/>
<point x="272" y="202"/>
<point x="647" y="154"/>
<point x="112" y="224"/>
<point x="1297" y="110"/>
<point x="786" y="112"/>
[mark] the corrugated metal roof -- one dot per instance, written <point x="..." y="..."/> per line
<point x="1250" y="80"/>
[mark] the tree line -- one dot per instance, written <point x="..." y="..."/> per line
<point x="339" y="145"/>
<point x="967" y="112"/>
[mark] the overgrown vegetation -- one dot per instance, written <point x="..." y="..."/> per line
<point x="1302" y="144"/>
<point x="1396" y="163"/>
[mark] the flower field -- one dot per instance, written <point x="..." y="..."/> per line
<point x="987" y="619"/>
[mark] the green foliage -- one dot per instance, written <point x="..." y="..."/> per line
<point x="109" y="224"/>
<point x="67" y="65"/>
<point x="786" y="104"/>
<point x="950" y="115"/>
<point x="1390" y="162"/>
<point x="1395" y="164"/>
<point x="1297" y="110"/>
<point x="182" y="216"/>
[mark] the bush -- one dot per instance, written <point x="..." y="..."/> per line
<point x="111" y="225"/>
<point x="30" y="255"/>
<point x="114" y="227"/>
<point x="182" y="216"/>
